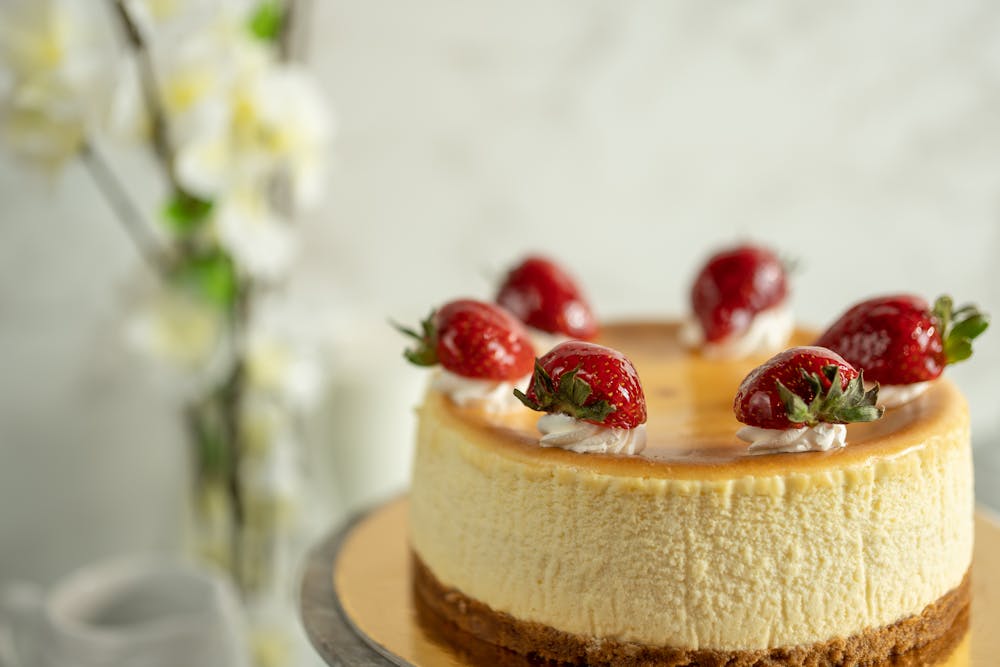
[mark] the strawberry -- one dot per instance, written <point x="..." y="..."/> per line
<point x="544" y="296"/>
<point x="735" y="285"/>
<point x="804" y="386"/>
<point x="900" y="339"/>
<point x="473" y="339"/>
<point x="588" y="382"/>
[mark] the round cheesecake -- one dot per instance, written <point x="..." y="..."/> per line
<point x="694" y="551"/>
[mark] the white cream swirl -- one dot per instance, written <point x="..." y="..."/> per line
<point x="820" y="438"/>
<point x="489" y="395"/>
<point x="579" y="436"/>
<point x="894" y="395"/>
<point x="768" y="332"/>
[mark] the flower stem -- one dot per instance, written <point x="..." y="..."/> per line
<point x="286" y="40"/>
<point x="151" y="94"/>
<point x="125" y="208"/>
<point x="231" y="397"/>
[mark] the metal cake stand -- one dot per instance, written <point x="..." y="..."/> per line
<point x="325" y="621"/>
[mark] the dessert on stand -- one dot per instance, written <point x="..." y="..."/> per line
<point x="726" y="489"/>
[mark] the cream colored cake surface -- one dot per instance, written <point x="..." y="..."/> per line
<point x="694" y="543"/>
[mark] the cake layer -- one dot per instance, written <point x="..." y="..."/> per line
<point x="696" y="546"/>
<point x="929" y="638"/>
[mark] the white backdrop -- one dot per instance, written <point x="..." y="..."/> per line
<point x="626" y="138"/>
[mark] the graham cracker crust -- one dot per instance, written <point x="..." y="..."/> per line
<point x="484" y="636"/>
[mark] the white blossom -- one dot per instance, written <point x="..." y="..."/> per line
<point x="287" y="370"/>
<point x="152" y="16"/>
<point x="271" y="469"/>
<point x="170" y="21"/>
<point x="126" y="117"/>
<point x="271" y="124"/>
<point x="260" y="241"/>
<point x="291" y="106"/>
<point x="192" y="74"/>
<point x="54" y="63"/>
<point x="262" y="421"/>
<point x="185" y="335"/>
<point x="198" y="74"/>
<point x="273" y="472"/>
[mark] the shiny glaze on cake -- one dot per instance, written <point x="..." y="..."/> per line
<point x="691" y="428"/>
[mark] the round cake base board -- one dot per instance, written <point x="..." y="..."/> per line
<point x="358" y="609"/>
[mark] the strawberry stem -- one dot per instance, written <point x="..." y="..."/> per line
<point x="569" y="398"/>
<point x="424" y="353"/>
<point x="836" y="405"/>
<point x="959" y="328"/>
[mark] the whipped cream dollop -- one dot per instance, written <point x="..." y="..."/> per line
<point x="819" y="438"/>
<point x="894" y="395"/>
<point x="563" y="431"/>
<point x="489" y="395"/>
<point x="769" y="331"/>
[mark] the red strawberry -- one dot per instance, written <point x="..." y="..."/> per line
<point x="803" y="386"/>
<point x="589" y="382"/>
<point x="735" y="285"/>
<point x="544" y="296"/>
<point x="473" y="339"/>
<point x="900" y="339"/>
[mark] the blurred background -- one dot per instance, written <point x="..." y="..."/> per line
<point x="627" y="139"/>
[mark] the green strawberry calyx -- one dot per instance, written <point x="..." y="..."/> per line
<point x="836" y="405"/>
<point x="424" y="353"/>
<point x="569" y="398"/>
<point x="958" y="327"/>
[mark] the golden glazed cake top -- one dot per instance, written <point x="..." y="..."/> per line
<point x="691" y="430"/>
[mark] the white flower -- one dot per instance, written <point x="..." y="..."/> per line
<point x="186" y="335"/>
<point x="262" y="421"/>
<point x="274" y="471"/>
<point x="192" y="74"/>
<point x="203" y="51"/>
<point x="271" y="124"/>
<point x="291" y="108"/>
<point x="280" y="368"/>
<point x="171" y="21"/>
<point x="126" y="116"/>
<point x="198" y="74"/>
<point x="260" y="241"/>
<point x="153" y="15"/>
<point x="271" y="468"/>
<point x="55" y="69"/>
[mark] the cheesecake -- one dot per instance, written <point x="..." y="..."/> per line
<point x="695" y="551"/>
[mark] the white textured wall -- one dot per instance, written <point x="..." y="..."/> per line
<point x="627" y="138"/>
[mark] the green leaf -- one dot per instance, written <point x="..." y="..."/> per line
<point x="844" y="405"/>
<point x="568" y="399"/>
<point x="528" y="403"/>
<point x="424" y="353"/>
<point x="836" y="405"/>
<point x="577" y="389"/>
<point x="212" y="276"/>
<point x="942" y="309"/>
<point x="542" y="386"/>
<point x="956" y="350"/>
<point x="959" y="328"/>
<point x="795" y="407"/>
<point x="212" y="455"/>
<point x="266" y="21"/>
<point x="971" y="327"/>
<point x="185" y="214"/>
